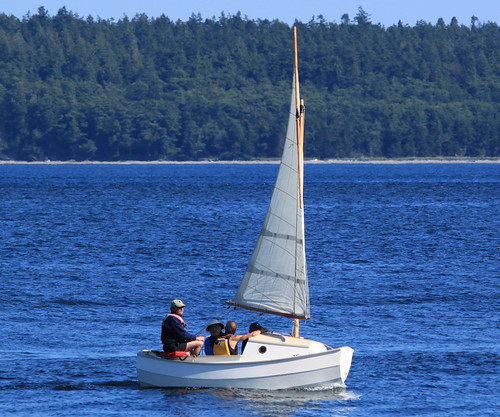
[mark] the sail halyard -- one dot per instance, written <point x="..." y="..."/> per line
<point x="275" y="281"/>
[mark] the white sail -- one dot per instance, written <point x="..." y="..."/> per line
<point x="276" y="277"/>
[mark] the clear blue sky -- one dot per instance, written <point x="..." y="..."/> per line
<point x="386" y="12"/>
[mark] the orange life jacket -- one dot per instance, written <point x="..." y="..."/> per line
<point x="179" y="318"/>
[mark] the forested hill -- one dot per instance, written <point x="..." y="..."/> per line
<point x="151" y="88"/>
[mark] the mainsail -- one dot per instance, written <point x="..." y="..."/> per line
<point x="275" y="281"/>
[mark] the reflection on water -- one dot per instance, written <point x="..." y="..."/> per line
<point x="286" y="402"/>
<point x="334" y="400"/>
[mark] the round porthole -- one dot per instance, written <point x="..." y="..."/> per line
<point x="262" y="349"/>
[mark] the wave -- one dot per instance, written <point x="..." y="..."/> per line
<point x="94" y="385"/>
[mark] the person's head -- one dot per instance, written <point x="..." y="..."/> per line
<point x="231" y="327"/>
<point x="215" y="329"/>
<point x="177" y="307"/>
<point x="256" y="326"/>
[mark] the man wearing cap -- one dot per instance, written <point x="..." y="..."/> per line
<point x="253" y="327"/>
<point x="174" y="335"/>
<point x="215" y="328"/>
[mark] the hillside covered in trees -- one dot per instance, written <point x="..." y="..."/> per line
<point x="146" y="89"/>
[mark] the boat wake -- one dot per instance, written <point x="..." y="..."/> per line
<point x="326" y="387"/>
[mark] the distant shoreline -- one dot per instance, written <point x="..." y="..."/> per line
<point x="270" y="161"/>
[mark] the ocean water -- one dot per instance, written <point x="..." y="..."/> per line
<point x="403" y="260"/>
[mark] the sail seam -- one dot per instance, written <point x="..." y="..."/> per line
<point x="258" y="271"/>
<point x="268" y="233"/>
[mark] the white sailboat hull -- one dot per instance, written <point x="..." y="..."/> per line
<point x="328" y="367"/>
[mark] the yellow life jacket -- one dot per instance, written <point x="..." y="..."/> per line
<point x="221" y="346"/>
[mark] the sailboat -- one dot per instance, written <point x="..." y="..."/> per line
<point x="275" y="282"/>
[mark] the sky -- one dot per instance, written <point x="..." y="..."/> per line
<point x="385" y="12"/>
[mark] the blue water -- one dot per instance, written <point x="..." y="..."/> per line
<point x="404" y="266"/>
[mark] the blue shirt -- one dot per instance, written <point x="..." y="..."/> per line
<point x="208" y="347"/>
<point x="172" y="330"/>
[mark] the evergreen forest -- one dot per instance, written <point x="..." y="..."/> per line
<point x="141" y="88"/>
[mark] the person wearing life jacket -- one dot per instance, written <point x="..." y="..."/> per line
<point x="215" y="328"/>
<point x="233" y="340"/>
<point x="174" y="335"/>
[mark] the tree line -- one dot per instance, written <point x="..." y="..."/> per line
<point x="75" y="88"/>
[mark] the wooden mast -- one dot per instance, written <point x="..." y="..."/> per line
<point x="299" y="116"/>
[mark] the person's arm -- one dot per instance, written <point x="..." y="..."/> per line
<point x="181" y="331"/>
<point x="235" y="339"/>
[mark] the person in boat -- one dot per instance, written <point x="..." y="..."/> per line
<point x="253" y="327"/>
<point x="232" y="339"/>
<point x="174" y="335"/>
<point x="215" y="328"/>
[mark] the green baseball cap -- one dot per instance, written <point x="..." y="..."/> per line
<point x="177" y="304"/>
